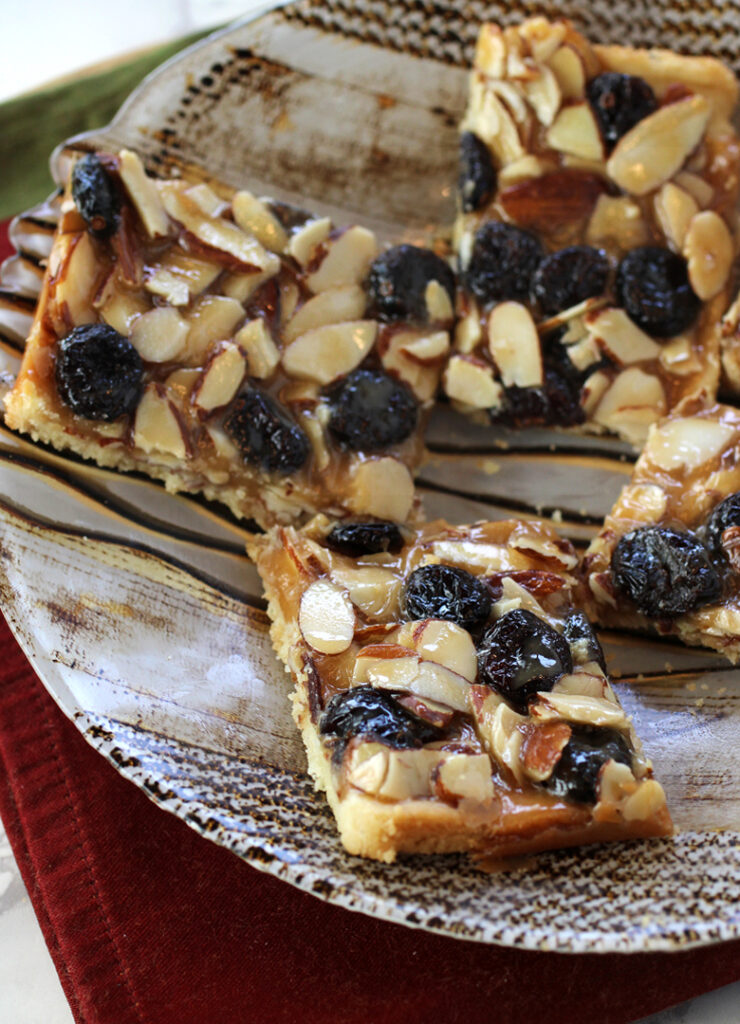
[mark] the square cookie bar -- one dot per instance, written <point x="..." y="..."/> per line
<point x="668" y="555"/>
<point x="449" y="695"/>
<point x="233" y="347"/>
<point x="595" y="231"/>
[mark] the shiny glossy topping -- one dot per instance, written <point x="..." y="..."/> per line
<point x="95" y="196"/>
<point x="477" y="181"/>
<point x="724" y="516"/>
<point x="653" y="286"/>
<point x="576" y="774"/>
<point x="369" y="538"/>
<point x="520" y="655"/>
<point x="446" y="592"/>
<point x="398" y="281"/>
<point x="371" y="411"/>
<point x="567" y="277"/>
<point x="264" y="433"/>
<point x="665" y="572"/>
<point x="98" y="372"/>
<point x="619" y="102"/>
<point x="584" y="644"/>
<point x="502" y="263"/>
<point x="375" y="714"/>
<point x="557" y="403"/>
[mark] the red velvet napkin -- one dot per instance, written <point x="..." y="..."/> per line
<point x="148" y="923"/>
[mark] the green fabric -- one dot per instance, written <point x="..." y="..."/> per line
<point x="32" y="125"/>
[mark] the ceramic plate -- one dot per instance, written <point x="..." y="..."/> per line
<point x="142" y="614"/>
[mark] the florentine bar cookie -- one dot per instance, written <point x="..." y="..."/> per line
<point x="448" y="694"/>
<point x="233" y="347"/>
<point x="668" y="555"/>
<point x="595" y="230"/>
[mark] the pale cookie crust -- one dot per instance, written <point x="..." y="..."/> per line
<point x="691" y="462"/>
<point x="471" y="792"/>
<point x="672" y="181"/>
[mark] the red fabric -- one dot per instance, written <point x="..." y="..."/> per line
<point x="150" y="924"/>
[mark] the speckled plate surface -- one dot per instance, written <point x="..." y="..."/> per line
<point x="141" y="612"/>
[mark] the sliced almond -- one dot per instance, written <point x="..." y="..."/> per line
<point x="203" y="196"/>
<point x="328" y="352"/>
<point x="329" y="307"/>
<point x="515" y="345"/>
<point x="468" y="331"/>
<point x="697" y="187"/>
<point x="216" y="234"/>
<point x="121" y="309"/>
<point x="680" y="356"/>
<point x="617" y="220"/>
<point x="382" y="488"/>
<point x="490" y="51"/>
<point x="214" y="318"/>
<point x="409" y="774"/>
<point x="569" y="71"/>
<point x="306" y="239"/>
<point x="159" y="335"/>
<point x="326" y="617"/>
<point x="438" y="303"/>
<point x="422" y="379"/>
<point x="156" y="425"/>
<point x="674" y="208"/>
<point x="447" y="644"/>
<point x="427" y="349"/>
<point x="543" y="37"/>
<point x="372" y="589"/>
<point x="466" y="777"/>
<point x="553" y="548"/>
<point x="471" y="383"/>
<point x="575" y="131"/>
<point x="76" y="281"/>
<point x="709" y="249"/>
<point x="584" y="353"/>
<point x="430" y="680"/>
<point x="180" y="276"/>
<point x="179" y="386"/>
<point x="645" y="503"/>
<point x="558" y="198"/>
<point x="520" y="170"/>
<point x="543" y="94"/>
<point x="688" y="443"/>
<point x="253" y="216"/>
<point x="658" y="146"/>
<point x="511" y="96"/>
<point x="593" y="390"/>
<point x="501" y="728"/>
<point x="542" y="747"/>
<point x="243" y="286"/>
<point x="221" y="378"/>
<point x="367" y="767"/>
<point x="634" y="400"/>
<point x="346" y="262"/>
<point x="645" y="803"/>
<point x="143" y="194"/>
<point x="574" y="707"/>
<point x="620" y="337"/>
<point x="490" y="120"/>
<point x="615" y="782"/>
<point x="261" y="351"/>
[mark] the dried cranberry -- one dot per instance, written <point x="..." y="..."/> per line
<point x="576" y="774"/>
<point x="446" y="592"/>
<point x="522" y="654"/>
<point x="584" y="644"/>
<point x="723" y="517"/>
<point x="664" y="572"/>
<point x="98" y="372"/>
<point x="619" y="102"/>
<point x="366" y="538"/>
<point x="371" y="411"/>
<point x="265" y="434"/>
<point x="653" y="286"/>
<point x="568" y="276"/>
<point x="375" y="715"/>
<point x="95" y="196"/>
<point x="502" y="263"/>
<point x="477" y="180"/>
<point x="398" y="279"/>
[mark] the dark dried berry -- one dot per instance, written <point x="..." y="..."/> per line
<point x="95" y="196"/>
<point x="376" y="715"/>
<point x="653" y="286"/>
<point x="584" y="644"/>
<point x="369" y="538"/>
<point x="98" y="372"/>
<point x="265" y="434"/>
<point x="477" y="181"/>
<point x="371" y="411"/>
<point x="398" y="280"/>
<point x="576" y="774"/>
<point x="555" y="404"/>
<point x="446" y="592"/>
<point x="502" y="263"/>
<point x="567" y="277"/>
<point x="619" y="102"/>
<point x="723" y="517"/>
<point x="521" y="654"/>
<point x="665" y="572"/>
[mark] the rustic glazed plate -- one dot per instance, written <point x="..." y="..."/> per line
<point x="141" y="613"/>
